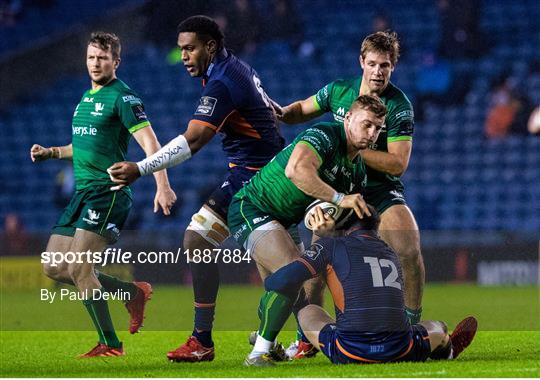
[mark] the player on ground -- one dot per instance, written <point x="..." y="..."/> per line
<point x="103" y="122"/>
<point x="323" y="162"/>
<point x="364" y="277"/>
<point x="387" y="159"/>
<point x="233" y="104"/>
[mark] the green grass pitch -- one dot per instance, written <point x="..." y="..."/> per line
<point x="41" y="340"/>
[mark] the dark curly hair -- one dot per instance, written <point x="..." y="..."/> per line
<point x="205" y="27"/>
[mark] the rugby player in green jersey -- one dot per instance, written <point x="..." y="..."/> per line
<point x="323" y="162"/>
<point x="387" y="159"/>
<point x="103" y="122"/>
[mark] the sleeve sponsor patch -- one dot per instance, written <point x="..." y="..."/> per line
<point x="132" y="99"/>
<point x="407" y="115"/>
<point x="313" y="142"/>
<point x="322" y="97"/>
<point x="138" y="112"/>
<point x="320" y="135"/>
<point x="206" y="107"/>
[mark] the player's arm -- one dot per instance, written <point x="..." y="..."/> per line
<point x="215" y="106"/>
<point x="40" y="153"/>
<point x="174" y="153"/>
<point x="393" y="162"/>
<point x="299" y="111"/>
<point x="165" y="196"/>
<point x="307" y="109"/>
<point x="289" y="279"/>
<point x="400" y="128"/>
<point x="302" y="170"/>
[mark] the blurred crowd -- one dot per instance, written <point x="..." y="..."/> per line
<point x="241" y="21"/>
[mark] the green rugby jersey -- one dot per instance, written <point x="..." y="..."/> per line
<point x="337" y="97"/>
<point x="272" y="192"/>
<point x="102" y="126"/>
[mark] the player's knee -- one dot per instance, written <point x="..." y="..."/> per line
<point x="191" y="239"/>
<point x="76" y="273"/>
<point x="305" y="314"/>
<point x="439" y="341"/>
<point x="53" y="272"/>
<point x="206" y="225"/>
<point x="442" y="327"/>
<point x="438" y="335"/>
<point x="302" y="314"/>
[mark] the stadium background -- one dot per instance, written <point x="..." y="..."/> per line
<point x="476" y="198"/>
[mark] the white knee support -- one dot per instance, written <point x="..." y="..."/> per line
<point x="209" y="226"/>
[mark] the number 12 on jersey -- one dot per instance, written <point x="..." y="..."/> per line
<point x="376" y="272"/>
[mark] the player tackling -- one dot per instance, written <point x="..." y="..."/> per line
<point x="387" y="159"/>
<point x="323" y="162"/>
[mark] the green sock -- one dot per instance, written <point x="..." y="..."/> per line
<point x="276" y="309"/>
<point x="99" y="312"/>
<point x="112" y="284"/>
<point x="413" y="316"/>
<point x="298" y="333"/>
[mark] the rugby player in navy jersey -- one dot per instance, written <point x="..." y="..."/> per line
<point x="233" y="104"/>
<point x="364" y="277"/>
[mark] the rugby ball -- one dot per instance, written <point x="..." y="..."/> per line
<point x="340" y="215"/>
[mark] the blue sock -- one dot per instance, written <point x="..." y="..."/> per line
<point x="205" y="289"/>
<point x="204" y="336"/>
<point x="204" y="318"/>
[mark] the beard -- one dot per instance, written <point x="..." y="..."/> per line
<point x="103" y="80"/>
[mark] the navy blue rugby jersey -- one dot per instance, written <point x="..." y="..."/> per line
<point x="364" y="276"/>
<point x="234" y="104"/>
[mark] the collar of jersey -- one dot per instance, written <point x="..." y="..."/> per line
<point x="220" y="57"/>
<point x="93" y="92"/>
<point x="359" y="232"/>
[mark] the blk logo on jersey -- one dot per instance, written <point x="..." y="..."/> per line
<point x="206" y="107"/>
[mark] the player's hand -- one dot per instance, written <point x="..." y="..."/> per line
<point x="39" y="153"/>
<point x="123" y="173"/>
<point x="165" y="198"/>
<point x="356" y="202"/>
<point x="323" y="224"/>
